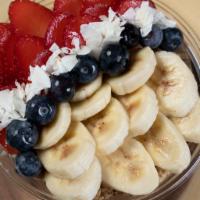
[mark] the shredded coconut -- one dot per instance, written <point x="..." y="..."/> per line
<point x="39" y="81"/>
<point x="12" y="106"/>
<point x="97" y="34"/>
<point x="145" y="17"/>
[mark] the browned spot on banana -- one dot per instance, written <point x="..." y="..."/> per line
<point x="66" y="150"/>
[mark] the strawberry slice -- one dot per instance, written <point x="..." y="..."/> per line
<point x="5" y="34"/>
<point x="4" y="144"/>
<point x="27" y="50"/>
<point x="41" y="58"/>
<point x="86" y="19"/>
<point x="95" y="10"/>
<point x="8" y="69"/>
<point x="30" y="18"/>
<point x="68" y="6"/>
<point x="103" y="2"/>
<point x="72" y="30"/>
<point x="126" y="4"/>
<point x="55" y="33"/>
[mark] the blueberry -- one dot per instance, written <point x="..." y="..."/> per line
<point x="62" y="87"/>
<point x="154" y="38"/>
<point x="130" y="36"/>
<point x="114" y="59"/>
<point x="28" y="164"/>
<point x="21" y="135"/>
<point x="86" y="70"/>
<point x="172" y="39"/>
<point x="40" y="110"/>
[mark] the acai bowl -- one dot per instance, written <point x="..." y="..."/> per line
<point x="163" y="180"/>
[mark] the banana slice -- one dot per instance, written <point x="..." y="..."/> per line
<point x="52" y="133"/>
<point x="176" y="87"/>
<point x="189" y="126"/>
<point x="142" y="107"/>
<point x="88" y="90"/>
<point x="93" y="105"/>
<point x="109" y="127"/>
<point x="72" y="155"/>
<point x="141" y="70"/>
<point x="130" y="169"/>
<point x="167" y="146"/>
<point x="84" y="187"/>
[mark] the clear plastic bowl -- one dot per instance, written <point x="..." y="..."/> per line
<point x="191" y="54"/>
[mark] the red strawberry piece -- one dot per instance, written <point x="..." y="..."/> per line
<point x="95" y="10"/>
<point x="8" y="68"/>
<point x="4" y="144"/>
<point x="126" y="4"/>
<point x="27" y="49"/>
<point x="6" y="77"/>
<point x="86" y="19"/>
<point x="10" y="51"/>
<point x="28" y="17"/>
<point x="5" y="34"/>
<point x="55" y="33"/>
<point x="103" y="2"/>
<point x="72" y="30"/>
<point x="68" y="6"/>
<point x="41" y="58"/>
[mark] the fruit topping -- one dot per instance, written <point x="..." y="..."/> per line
<point x="130" y="36"/>
<point x="62" y="87"/>
<point x="22" y="135"/>
<point x="28" y="164"/>
<point x="172" y="39"/>
<point x="68" y="6"/>
<point x="28" y="17"/>
<point x="95" y="10"/>
<point x="4" y="144"/>
<point x="27" y="50"/>
<point x="86" y="70"/>
<point x="103" y="2"/>
<point x="56" y="30"/>
<point x="126" y="4"/>
<point x="41" y="58"/>
<point x="72" y="31"/>
<point x="5" y="34"/>
<point x="8" y="68"/>
<point x="114" y="59"/>
<point x="154" y="38"/>
<point x="40" y="110"/>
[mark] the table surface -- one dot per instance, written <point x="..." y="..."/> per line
<point x="189" y="9"/>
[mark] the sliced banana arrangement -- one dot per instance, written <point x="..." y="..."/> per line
<point x="87" y="90"/>
<point x="175" y="85"/>
<point x="189" y="126"/>
<point x="54" y="132"/>
<point x="167" y="146"/>
<point x="84" y="187"/>
<point x="130" y="169"/>
<point x="93" y="105"/>
<point x="109" y="127"/>
<point x="143" y="66"/>
<point x="142" y="107"/>
<point x="72" y="155"/>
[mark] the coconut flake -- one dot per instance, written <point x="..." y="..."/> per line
<point x="97" y="34"/>
<point x="39" y="81"/>
<point x="12" y="106"/>
<point x="162" y="21"/>
<point x="145" y="17"/>
<point x="63" y="60"/>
